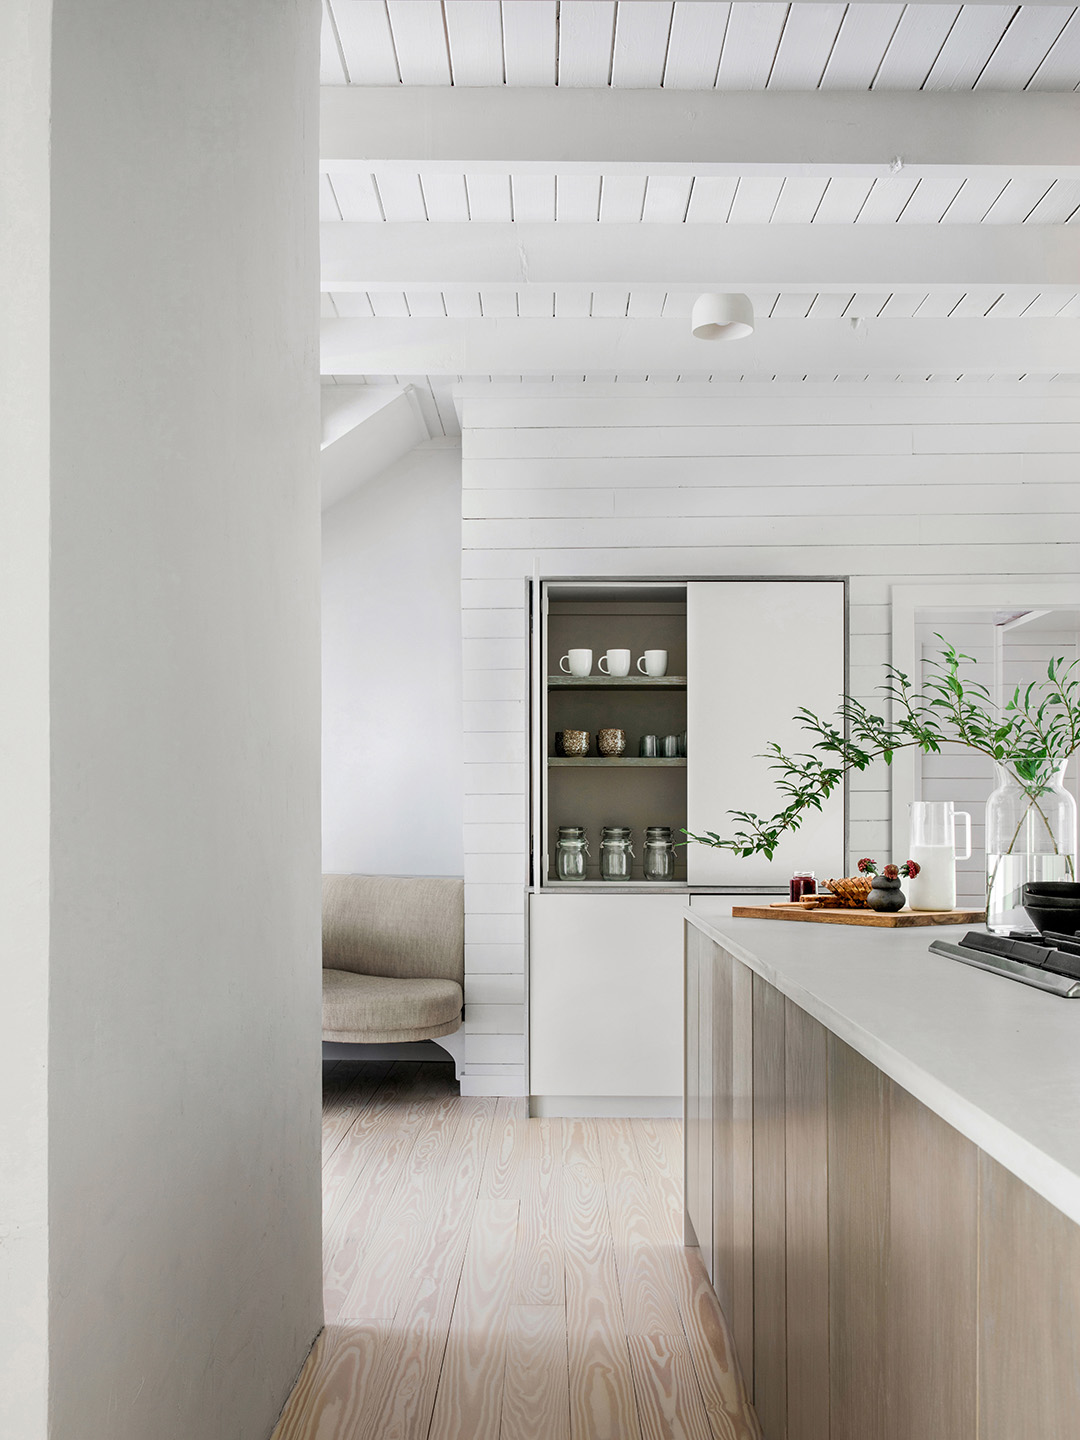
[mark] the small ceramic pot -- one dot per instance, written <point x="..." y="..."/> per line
<point x="885" y="895"/>
<point x="611" y="743"/>
<point x="572" y="742"/>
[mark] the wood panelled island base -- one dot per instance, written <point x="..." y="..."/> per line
<point x="885" y="1277"/>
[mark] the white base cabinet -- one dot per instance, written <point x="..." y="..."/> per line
<point x="605" y="1004"/>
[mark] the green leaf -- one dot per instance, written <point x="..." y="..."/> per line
<point x="1032" y="732"/>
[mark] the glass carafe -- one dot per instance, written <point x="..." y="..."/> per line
<point x="616" y="853"/>
<point x="1030" y="835"/>
<point x="933" y="848"/>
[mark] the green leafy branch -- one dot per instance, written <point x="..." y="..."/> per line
<point x="1031" y="735"/>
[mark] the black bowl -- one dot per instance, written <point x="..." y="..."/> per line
<point x="1064" y="921"/>
<point x="1056" y="889"/>
<point x="1051" y="902"/>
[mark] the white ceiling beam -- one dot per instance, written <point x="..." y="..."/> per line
<point x="386" y="256"/>
<point x="522" y="347"/>
<point x="522" y="129"/>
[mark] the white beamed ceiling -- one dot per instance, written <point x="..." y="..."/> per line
<point x="355" y="195"/>
<point x="612" y="302"/>
<point x="450" y="231"/>
<point x="689" y="45"/>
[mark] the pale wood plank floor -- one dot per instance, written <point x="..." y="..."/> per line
<point x="491" y="1277"/>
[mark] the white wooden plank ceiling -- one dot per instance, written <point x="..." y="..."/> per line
<point x="610" y="302"/>
<point x="389" y="195"/>
<point x="688" y="45"/>
<point x="376" y="321"/>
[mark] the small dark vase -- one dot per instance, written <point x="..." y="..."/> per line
<point x="885" y="895"/>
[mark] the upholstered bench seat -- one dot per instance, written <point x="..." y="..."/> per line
<point x="393" y="958"/>
<point x="379" y="1009"/>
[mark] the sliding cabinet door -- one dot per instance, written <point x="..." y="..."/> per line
<point x="757" y="651"/>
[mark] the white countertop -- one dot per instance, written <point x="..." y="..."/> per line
<point x="997" y="1060"/>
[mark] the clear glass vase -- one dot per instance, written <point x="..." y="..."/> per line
<point x="1030" y="835"/>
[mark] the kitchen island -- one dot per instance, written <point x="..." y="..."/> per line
<point x="883" y="1174"/>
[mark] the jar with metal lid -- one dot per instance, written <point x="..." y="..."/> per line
<point x="571" y="852"/>
<point x="616" y="853"/>
<point x="658" y="859"/>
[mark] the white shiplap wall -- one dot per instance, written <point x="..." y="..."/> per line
<point x="884" y="485"/>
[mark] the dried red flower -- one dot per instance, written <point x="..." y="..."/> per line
<point x="890" y="873"/>
<point x="867" y="867"/>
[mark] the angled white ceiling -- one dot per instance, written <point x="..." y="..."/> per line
<point x="365" y="430"/>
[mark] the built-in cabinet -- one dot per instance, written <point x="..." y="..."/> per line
<point x="743" y="657"/>
<point x="593" y="790"/>
<point x="884" y="1279"/>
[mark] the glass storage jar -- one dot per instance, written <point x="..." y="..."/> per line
<point x="803" y="882"/>
<point x="616" y="853"/>
<point x="571" y="853"/>
<point x="1030" y="835"/>
<point x="658" y="860"/>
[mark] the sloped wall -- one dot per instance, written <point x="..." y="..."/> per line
<point x="391" y="630"/>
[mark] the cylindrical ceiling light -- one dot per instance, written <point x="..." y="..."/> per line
<point x="722" y="317"/>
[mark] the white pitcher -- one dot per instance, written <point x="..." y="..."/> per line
<point x="933" y="848"/>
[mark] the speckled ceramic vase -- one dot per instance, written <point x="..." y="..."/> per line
<point x="885" y="895"/>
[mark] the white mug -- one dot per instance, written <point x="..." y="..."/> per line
<point x="618" y="663"/>
<point x="576" y="662"/>
<point x="653" y="662"/>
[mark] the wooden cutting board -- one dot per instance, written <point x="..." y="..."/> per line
<point x="898" y="920"/>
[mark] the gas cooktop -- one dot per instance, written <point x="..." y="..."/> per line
<point x="1051" y="963"/>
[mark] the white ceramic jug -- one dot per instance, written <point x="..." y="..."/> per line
<point x="933" y="848"/>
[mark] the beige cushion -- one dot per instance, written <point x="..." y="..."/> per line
<point x="410" y="928"/>
<point x="376" y="1009"/>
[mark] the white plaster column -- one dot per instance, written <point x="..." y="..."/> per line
<point x="159" y="738"/>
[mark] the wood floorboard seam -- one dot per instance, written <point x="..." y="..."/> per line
<point x="495" y="1277"/>
<point x="403" y="1175"/>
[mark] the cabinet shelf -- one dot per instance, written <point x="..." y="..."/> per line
<point x="593" y="885"/>
<point x="603" y="762"/>
<point x="616" y="682"/>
